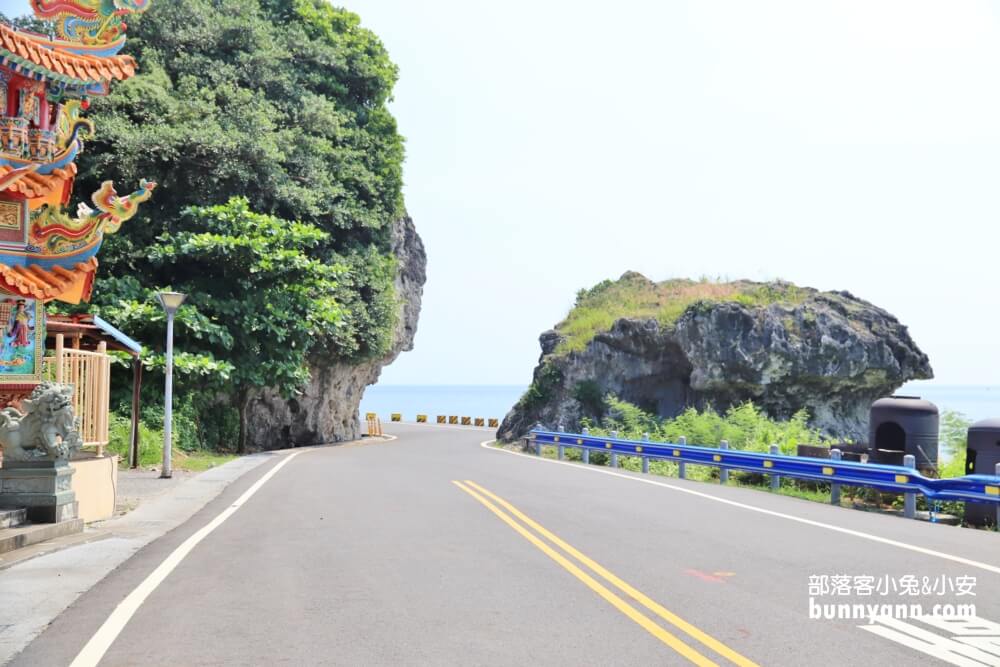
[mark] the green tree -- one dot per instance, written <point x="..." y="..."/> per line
<point x="258" y="301"/>
<point x="282" y="103"/>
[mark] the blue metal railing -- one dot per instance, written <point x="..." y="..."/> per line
<point x="888" y="478"/>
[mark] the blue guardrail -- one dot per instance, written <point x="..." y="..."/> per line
<point x="892" y="479"/>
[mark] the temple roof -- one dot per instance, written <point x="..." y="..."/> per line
<point x="41" y="56"/>
<point x="33" y="282"/>
<point x="34" y="185"/>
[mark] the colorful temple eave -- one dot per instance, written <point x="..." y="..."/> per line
<point x="32" y="185"/>
<point x="38" y="56"/>
<point x="71" y="285"/>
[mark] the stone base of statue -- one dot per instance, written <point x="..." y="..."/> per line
<point x="37" y="445"/>
<point x="43" y="488"/>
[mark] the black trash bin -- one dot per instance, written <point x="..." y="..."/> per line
<point x="903" y="425"/>
<point x="982" y="454"/>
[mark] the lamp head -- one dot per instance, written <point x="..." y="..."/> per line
<point x="171" y="301"/>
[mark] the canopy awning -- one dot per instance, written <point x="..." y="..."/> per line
<point x="87" y="331"/>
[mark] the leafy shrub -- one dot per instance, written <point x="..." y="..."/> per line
<point x="540" y="391"/>
<point x="744" y="426"/>
<point x="150" y="440"/>
<point x="954" y="432"/>
<point x="589" y="395"/>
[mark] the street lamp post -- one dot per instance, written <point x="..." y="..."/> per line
<point x="170" y="301"/>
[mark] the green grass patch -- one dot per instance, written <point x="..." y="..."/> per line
<point x="200" y="461"/>
<point x="151" y="448"/>
<point x="634" y="296"/>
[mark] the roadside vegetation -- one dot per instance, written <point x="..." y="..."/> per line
<point x="151" y="446"/>
<point x="635" y="296"/>
<point x="746" y="427"/>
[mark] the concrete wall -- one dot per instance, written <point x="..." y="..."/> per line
<point x="95" y="483"/>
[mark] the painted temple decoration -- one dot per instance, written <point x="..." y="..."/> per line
<point x="46" y="253"/>
<point x="22" y="344"/>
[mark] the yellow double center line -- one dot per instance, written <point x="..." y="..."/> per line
<point x="487" y="498"/>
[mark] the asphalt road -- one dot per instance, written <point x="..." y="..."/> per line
<point x="434" y="550"/>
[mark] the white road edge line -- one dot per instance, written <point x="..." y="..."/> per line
<point x="94" y="651"/>
<point x="809" y="522"/>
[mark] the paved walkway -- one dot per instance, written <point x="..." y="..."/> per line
<point x="138" y="486"/>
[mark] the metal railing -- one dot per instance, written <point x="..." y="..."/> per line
<point x="888" y="478"/>
<point x="90" y="375"/>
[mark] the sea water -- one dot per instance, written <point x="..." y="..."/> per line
<point x="486" y="401"/>
<point x="974" y="401"/>
<point x="494" y="401"/>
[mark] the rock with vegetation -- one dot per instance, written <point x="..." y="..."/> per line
<point x="680" y="344"/>
<point x="279" y="211"/>
<point x="326" y="410"/>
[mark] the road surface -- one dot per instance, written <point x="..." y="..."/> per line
<point x="435" y="550"/>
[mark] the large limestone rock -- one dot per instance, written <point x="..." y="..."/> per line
<point x="327" y="411"/>
<point x="828" y="352"/>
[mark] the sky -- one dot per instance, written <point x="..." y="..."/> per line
<point x="846" y="145"/>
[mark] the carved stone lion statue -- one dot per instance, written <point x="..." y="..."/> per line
<point x="47" y="430"/>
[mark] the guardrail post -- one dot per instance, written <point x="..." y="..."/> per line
<point x="614" y="455"/>
<point x="775" y="479"/>
<point x="681" y="465"/>
<point x="835" y="454"/>
<point x="997" y="473"/>
<point x="645" y="459"/>
<point x="910" y="499"/>
<point x="584" y="452"/>
<point x="724" y="472"/>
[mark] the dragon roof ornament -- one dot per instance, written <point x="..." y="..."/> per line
<point x="45" y="81"/>
<point x="91" y="22"/>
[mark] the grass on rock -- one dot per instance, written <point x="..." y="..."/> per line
<point x="634" y="296"/>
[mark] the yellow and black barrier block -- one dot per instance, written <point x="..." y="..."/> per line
<point x="421" y="419"/>
<point x="442" y="419"/>
<point x="494" y="423"/>
<point x="466" y="421"/>
<point x="480" y="421"/>
<point x="453" y="420"/>
<point x="370" y="416"/>
<point x="396" y="417"/>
